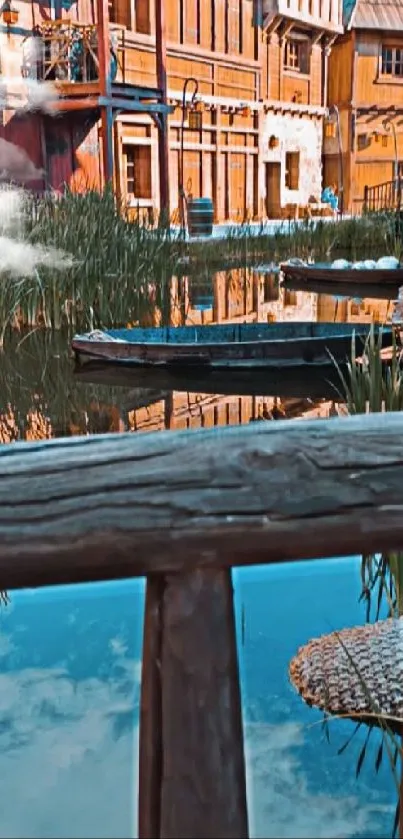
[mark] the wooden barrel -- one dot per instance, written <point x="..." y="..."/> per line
<point x="200" y="216"/>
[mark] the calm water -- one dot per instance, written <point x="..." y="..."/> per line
<point x="70" y="658"/>
<point x="69" y="694"/>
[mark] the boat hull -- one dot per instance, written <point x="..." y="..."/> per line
<point x="299" y="345"/>
<point x="308" y="273"/>
<point x="338" y="289"/>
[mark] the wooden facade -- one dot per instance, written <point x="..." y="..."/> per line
<point x="120" y="68"/>
<point x="366" y="83"/>
<point x="298" y="36"/>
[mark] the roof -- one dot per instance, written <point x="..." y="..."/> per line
<point x="386" y="15"/>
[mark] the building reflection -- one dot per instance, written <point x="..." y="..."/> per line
<point x="40" y="399"/>
<point x="247" y="295"/>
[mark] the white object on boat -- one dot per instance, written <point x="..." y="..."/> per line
<point x="295" y="260"/>
<point x="369" y="264"/>
<point x="341" y="264"/>
<point x="386" y="262"/>
<point x="99" y="336"/>
<point x="358" y="266"/>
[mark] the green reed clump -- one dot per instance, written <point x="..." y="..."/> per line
<point x="311" y="239"/>
<point x="121" y="269"/>
<point x="368" y="385"/>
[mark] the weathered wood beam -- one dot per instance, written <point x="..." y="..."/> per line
<point x="203" y="790"/>
<point x="127" y="505"/>
<point x="192" y="768"/>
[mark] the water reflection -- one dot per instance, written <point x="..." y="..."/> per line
<point x="69" y="695"/>
<point x="41" y="397"/>
<point x="70" y="658"/>
<point x="249" y="294"/>
<point x="298" y="784"/>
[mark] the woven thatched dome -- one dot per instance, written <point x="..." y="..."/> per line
<point x="356" y="672"/>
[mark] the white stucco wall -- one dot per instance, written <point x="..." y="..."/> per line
<point x="296" y="134"/>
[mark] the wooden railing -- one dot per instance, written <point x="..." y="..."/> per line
<point x="386" y="197"/>
<point x="182" y="508"/>
<point x="62" y="51"/>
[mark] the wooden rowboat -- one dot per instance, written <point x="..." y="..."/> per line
<point x="224" y="346"/>
<point x="308" y="273"/>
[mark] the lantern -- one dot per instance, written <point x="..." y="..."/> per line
<point x="273" y="142"/>
<point x="330" y="130"/>
<point x="195" y="120"/>
<point x="9" y="13"/>
<point x="195" y="116"/>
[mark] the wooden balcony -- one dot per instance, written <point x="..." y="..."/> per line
<point x="65" y="53"/>
<point x="317" y="14"/>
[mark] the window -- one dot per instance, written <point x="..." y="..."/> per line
<point x="296" y="56"/>
<point x="137" y="169"/>
<point x="392" y="61"/>
<point x="142" y="15"/>
<point x="120" y="12"/>
<point x="292" y="170"/>
<point x="271" y="290"/>
<point x="290" y="298"/>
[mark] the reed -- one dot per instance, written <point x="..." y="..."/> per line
<point x="123" y="268"/>
<point x="372" y="387"/>
<point x="356" y="237"/>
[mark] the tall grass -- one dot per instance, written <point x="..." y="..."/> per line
<point x="122" y="269"/>
<point x="369" y="386"/>
<point x="355" y="238"/>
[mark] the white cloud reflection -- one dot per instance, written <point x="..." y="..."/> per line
<point x="281" y="802"/>
<point x="68" y="764"/>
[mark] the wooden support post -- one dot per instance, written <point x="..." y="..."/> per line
<point x="104" y="56"/>
<point x="150" y="715"/>
<point x="163" y="137"/>
<point x="107" y="143"/>
<point x="192" y="770"/>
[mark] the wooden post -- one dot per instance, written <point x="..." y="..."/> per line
<point x="366" y="191"/>
<point x="192" y="769"/>
<point x="150" y="757"/>
<point x="163" y="139"/>
<point x="105" y="88"/>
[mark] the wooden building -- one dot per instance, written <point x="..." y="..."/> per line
<point x="120" y="66"/>
<point x="82" y="49"/>
<point x="298" y="38"/>
<point x="366" y="84"/>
